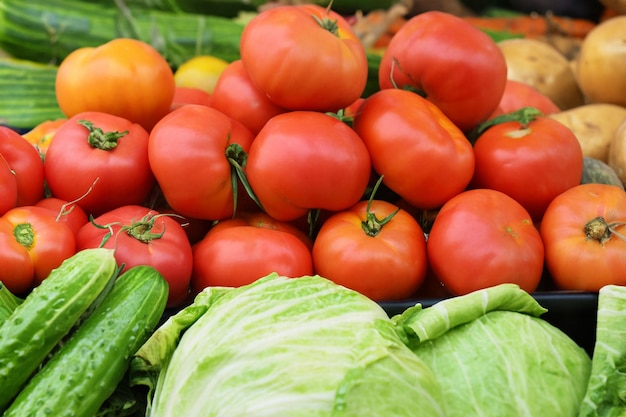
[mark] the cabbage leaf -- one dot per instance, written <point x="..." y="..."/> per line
<point x="495" y="357"/>
<point x="606" y="391"/>
<point x="293" y="347"/>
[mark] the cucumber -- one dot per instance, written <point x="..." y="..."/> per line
<point x="86" y="369"/>
<point x="47" y="315"/>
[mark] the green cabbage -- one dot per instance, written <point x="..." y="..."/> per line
<point x="495" y="357"/>
<point x="293" y="347"/>
<point x="606" y="392"/>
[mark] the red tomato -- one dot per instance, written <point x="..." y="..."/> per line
<point x="141" y="236"/>
<point x="518" y="95"/>
<point x="8" y="187"/>
<point x="47" y="242"/>
<point x="236" y="96"/>
<point x="123" y="77"/>
<point x="304" y="57"/>
<point x="305" y="160"/>
<point x="65" y="212"/>
<point x="26" y="164"/>
<point x="18" y="271"/>
<point x="482" y="238"/>
<point x="420" y="153"/>
<point x="190" y="95"/>
<point x="455" y="65"/>
<point x="531" y="161"/>
<point x="239" y="251"/>
<point x="385" y="261"/>
<point x="99" y="161"/>
<point x="584" y="233"/>
<point x="189" y="154"/>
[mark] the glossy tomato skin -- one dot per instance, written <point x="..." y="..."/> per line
<point x="18" y="270"/>
<point x="236" y="253"/>
<point x="575" y="260"/>
<point x="300" y="64"/>
<point x="518" y="95"/>
<point x="190" y="95"/>
<point x="98" y="179"/>
<point x="8" y="187"/>
<point x="65" y="212"/>
<point x="123" y="77"/>
<point x="26" y="163"/>
<point x="532" y="164"/>
<point x="456" y="66"/>
<point x="47" y="242"/>
<point x="422" y="155"/>
<point x="167" y="249"/>
<point x="236" y="96"/>
<point x="187" y="153"/>
<point x="386" y="267"/>
<point x="482" y="238"/>
<point x="305" y="160"/>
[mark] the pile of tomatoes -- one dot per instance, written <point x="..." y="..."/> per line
<point x="442" y="174"/>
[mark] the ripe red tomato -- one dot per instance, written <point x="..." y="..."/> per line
<point x="45" y="241"/>
<point x="26" y="164"/>
<point x="18" y="271"/>
<point x="420" y="153"/>
<point x="584" y="233"/>
<point x="356" y="248"/>
<point x="190" y="95"/>
<point x="532" y="161"/>
<point x="518" y="95"/>
<point x="236" y="96"/>
<point x="8" y="187"/>
<point x="65" y="212"/>
<point x="123" y="77"/>
<point x="189" y="153"/>
<point x="304" y="57"/>
<point x="239" y="251"/>
<point x="304" y="160"/>
<point x="99" y="161"/>
<point x="482" y="238"/>
<point x="141" y="236"/>
<point x="455" y="65"/>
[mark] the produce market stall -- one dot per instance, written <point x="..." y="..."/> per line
<point x="302" y="208"/>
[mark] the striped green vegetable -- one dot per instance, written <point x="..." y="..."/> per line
<point x="48" y="314"/>
<point x="47" y="31"/>
<point x="28" y="97"/>
<point x="85" y="371"/>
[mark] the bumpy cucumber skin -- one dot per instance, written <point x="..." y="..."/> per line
<point x="47" y="314"/>
<point x="81" y="375"/>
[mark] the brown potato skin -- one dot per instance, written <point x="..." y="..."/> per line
<point x="617" y="152"/>
<point x="541" y="65"/>
<point x="601" y="63"/>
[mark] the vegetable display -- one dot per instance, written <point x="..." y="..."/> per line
<point x="297" y="210"/>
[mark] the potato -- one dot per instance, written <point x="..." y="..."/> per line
<point x="617" y="152"/>
<point x="594" y="126"/>
<point x="542" y="66"/>
<point x="601" y="63"/>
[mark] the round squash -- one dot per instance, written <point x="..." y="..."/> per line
<point x="598" y="172"/>
<point x="601" y="66"/>
<point x="542" y="66"/>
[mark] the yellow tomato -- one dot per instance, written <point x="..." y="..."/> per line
<point x="41" y="135"/>
<point x="201" y="72"/>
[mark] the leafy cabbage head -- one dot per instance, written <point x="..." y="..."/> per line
<point x="495" y="357"/>
<point x="293" y="347"/>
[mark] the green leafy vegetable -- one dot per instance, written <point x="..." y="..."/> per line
<point x="286" y="347"/>
<point x="606" y="392"/>
<point x="495" y="357"/>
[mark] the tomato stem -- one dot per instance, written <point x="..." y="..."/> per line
<point x="237" y="158"/>
<point x="24" y="235"/>
<point x="328" y="24"/>
<point x="598" y="229"/>
<point x="524" y="116"/>
<point x="99" y="139"/>
<point x="372" y="225"/>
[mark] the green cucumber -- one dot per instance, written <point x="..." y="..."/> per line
<point x="87" y="368"/>
<point x="48" y="314"/>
